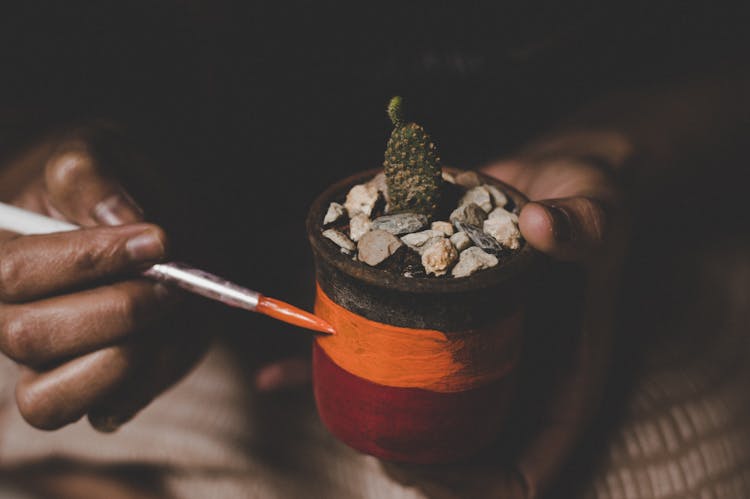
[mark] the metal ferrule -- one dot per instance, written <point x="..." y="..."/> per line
<point x="204" y="284"/>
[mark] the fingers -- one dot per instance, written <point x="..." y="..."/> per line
<point x="110" y="385"/>
<point x="35" y="266"/>
<point x="79" y="323"/>
<point x="162" y="366"/>
<point x="509" y="171"/>
<point x="42" y="327"/>
<point x="80" y="192"/>
<point x="63" y="395"/>
<point x="573" y="209"/>
<point x="568" y="229"/>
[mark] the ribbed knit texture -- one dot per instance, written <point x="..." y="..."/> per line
<point x="687" y="429"/>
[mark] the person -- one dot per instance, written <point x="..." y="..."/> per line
<point x="94" y="340"/>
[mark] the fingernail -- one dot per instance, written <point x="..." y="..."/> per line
<point x="146" y="246"/>
<point x="562" y="227"/>
<point x="117" y="209"/>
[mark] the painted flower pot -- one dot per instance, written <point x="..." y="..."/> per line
<point x="421" y="370"/>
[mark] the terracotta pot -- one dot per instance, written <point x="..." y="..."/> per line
<point x="421" y="369"/>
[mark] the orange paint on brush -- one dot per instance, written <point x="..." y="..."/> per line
<point x="418" y="358"/>
<point x="292" y="315"/>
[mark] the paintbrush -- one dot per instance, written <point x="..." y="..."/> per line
<point x="182" y="275"/>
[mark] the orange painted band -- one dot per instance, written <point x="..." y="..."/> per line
<point x="419" y="358"/>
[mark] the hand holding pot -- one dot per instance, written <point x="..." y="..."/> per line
<point x="90" y="340"/>
<point x="573" y="216"/>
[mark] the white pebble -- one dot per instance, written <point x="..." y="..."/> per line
<point x="498" y="197"/>
<point x="472" y="260"/>
<point x="503" y="213"/>
<point x="418" y="241"/>
<point x="340" y="239"/>
<point x="378" y="182"/>
<point x="359" y="225"/>
<point x="444" y="227"/>
<point x="504" y="230"/>
<point x="479" y="196"/>
<point x="461" y="240"/>
<point x="438" y="257"/>
<point x="377" y="245"/>
<point x="334" y="213"/>
<point x="361" y="199"/>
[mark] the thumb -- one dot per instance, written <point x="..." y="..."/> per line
<point x="569" y="229"/>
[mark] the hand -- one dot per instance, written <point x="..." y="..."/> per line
<point x="574" y="217"/>
<point x="568" y="220"/>
<point x="89" y="335"/>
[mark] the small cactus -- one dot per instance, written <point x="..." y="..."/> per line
<point x="412" y="167"/>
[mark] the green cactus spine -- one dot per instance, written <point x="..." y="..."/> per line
<point x="412" y="167"/>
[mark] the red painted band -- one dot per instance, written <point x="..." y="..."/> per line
<point x="408" y="424"/>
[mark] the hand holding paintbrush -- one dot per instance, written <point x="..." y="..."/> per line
<point x="91" y="340"/>
<point x="179" y="274"/>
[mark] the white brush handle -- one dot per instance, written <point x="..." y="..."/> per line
<point x="27" y="222"/>
<point x="189" y="278"/>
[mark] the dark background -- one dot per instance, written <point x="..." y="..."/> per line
<point x="237" y="93"/>
<point x="246" y="110"/>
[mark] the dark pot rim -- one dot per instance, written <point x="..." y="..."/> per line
<point x="519" y="265"/>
